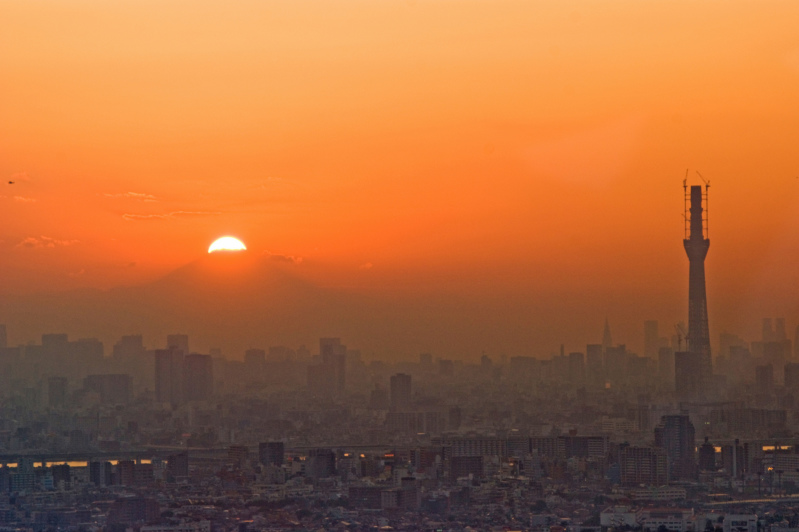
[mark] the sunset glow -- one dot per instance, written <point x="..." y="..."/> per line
<point x="227" y="243"/>
<point x="527" y="156"/>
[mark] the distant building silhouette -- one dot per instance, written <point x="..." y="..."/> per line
<point x="169" y="376"/>
<point x="764" y="378"/>
<point x="707" y="456"/>
<point x="129" y="346"/>
<point x="334" y="358"/>
<point x="607" y="339"/>
<point x="677" y="436"/>
<point x="178" y="341"/>
<point x="198" y="377"/>
<point x="400" y="391"/>
<point x="791" y="376"/>
<point x="3" y="337"/>
<point x="643" y="465"/>
<point x="57" y="391"/>
<point x="271" y="453"/>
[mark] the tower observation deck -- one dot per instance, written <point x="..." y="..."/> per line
<point x="697" y="243"/>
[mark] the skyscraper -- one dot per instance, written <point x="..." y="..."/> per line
<point x="169" y="376"/>
<point x="57" y="391"/>
<point x="400" y="391"/>
<point x="643" y="465"/>
<point x="3" y="337"/>
<point x="271" y="453"/>
<point x="607" y="339"/>
<point x="696" y="246"/>
<point x="677" y="436"/>
<point x="198" y="377"/>
<point x="334" y="357"/>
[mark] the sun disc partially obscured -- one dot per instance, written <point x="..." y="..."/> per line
<point x="227" y="243"/>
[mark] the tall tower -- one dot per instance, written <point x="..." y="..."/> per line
<point x="696" y="245"/>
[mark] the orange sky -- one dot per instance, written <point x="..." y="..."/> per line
<point x="497" y="150"/>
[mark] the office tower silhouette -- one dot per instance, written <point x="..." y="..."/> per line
<point x="57" y="391"/>
<point x="198" y="377"/>
<point x="607" y="339"/>
<point x="400" y="391"/>
<point x="677" y="436"/>
<point x="169" y="376"/>
<point x="271" y="453"/>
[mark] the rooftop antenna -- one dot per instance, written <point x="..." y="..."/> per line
<point x="680" y="335"/>
<point x="686" y="204"/>
<point x="705" y="198"/>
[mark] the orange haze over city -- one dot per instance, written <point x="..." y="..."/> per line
<point x="483" y="175"/>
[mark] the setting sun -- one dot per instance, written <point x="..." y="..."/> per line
<point x="227" y="243"/>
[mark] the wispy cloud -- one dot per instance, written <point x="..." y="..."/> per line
<point x="23" y="199"/>
<point x="283" y="258"/>
<point x="45" y="242"/>
<point x="133" y="195"/>
<point x="367" y="266"/>
<point x="132" y="217"/>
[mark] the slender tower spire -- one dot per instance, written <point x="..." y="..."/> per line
<point x="696" y="246"/>
<point x="607" y="339"/>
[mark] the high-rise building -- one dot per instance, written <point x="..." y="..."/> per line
<point x="56" y="391"/>
<point x="198" y="377"/>
<point x="791" y="376"/>
<point x="334" y="358"/>
<point x="400" y="391"/>
<point x="707" y="456"/>
<point x="643" y="465"/>
<point x="169" y="376"/>
<point x="676" y="435"/>
<point x="696" y="245"/>
<point x="178" y="341"/>
<point x="764" y="378"/>
<point x="651" y="339"/>
<point x="607" y="339"/>
<point x="271" y="453"/>
<point x="321" y="463"/>
<point x="3" y="337"/>
<point x="666" y="367"/>
<point x="177" y="466"/>
<point x="576" y="368"/>
<point x="101" y="473"/>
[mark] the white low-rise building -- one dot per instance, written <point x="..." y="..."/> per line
<point x="618" y="516"/>
<point x="673" y="519"/>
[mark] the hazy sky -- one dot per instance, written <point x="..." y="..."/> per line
<point x="528" y="152"/>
